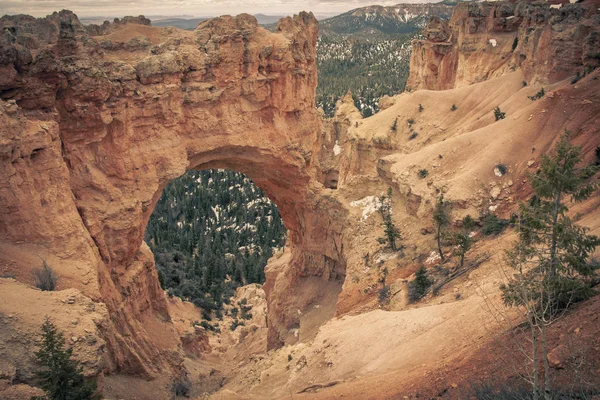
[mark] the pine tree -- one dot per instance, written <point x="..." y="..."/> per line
<point x="550" y="258"/>
<point x="62" y="378"/>
<point x="441" y="218"/>
<point x="420" y="285"/>
<point x="463" y="242"/>
<point x="391" y="232"/>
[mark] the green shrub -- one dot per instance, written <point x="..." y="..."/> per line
<point x="541" y="93"/>
<point x="423" y="173"/>
<point x="410" y="122"/>
<point x="235" y="324"/>
<point x="418" y="288"/>
<point x="421" y="108"/>
<point x="413" y="135"/>
<point x="499" y="114"/>
<point x="468" y="222"/>
<point x="245" y="309"/>
<point x="515" y="43"/>
<point x="492" y="225"/>
<point x="453" y="108"/>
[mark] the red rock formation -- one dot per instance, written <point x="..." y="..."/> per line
<point x="486" y="40"/>
<point x="93" y="129"/>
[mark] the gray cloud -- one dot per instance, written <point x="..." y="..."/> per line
<point x="112" y="8"/>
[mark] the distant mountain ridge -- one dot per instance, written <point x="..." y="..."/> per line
<point x="401" y="18"/>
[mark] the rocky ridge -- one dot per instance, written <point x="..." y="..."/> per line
<point x="93" y="128"/>
<point x="486" y="40"/>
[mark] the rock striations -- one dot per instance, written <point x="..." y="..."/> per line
<point x="93" y="128"/>
<point x="486" y="40"/>
<point x="95" y="121"/>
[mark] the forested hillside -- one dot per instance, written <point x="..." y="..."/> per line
<point x="211" y="232"/>
<point x="368" y="65"/>
<point x="367" y="51"/>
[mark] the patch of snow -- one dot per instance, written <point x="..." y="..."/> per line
<point x="497" y="172"/>
<point x="434" y="256"/>
<point x="493" y="42"/>
<point x="369" y="205"/>
<point x="337" y="149"/>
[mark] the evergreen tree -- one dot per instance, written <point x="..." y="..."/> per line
<point x="421" y="284"/>
<point x="441" y="218"/>
<point x="62" y="378"/>
<point x="392" y="233"/>
<point x="463" y="242"/>
<point x="550" y="259"/>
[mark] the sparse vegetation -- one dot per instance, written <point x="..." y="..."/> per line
<point x="235" y="323"/>
<point x="550" y="259"/>
<point x="441" y="218"/>
<point x="492" y="224"/>
<point x="423" y="173"/>
<point x="245" y="309"/>
<point x="394" y="126"/>
<point x="463" y="242"/>
<point x="499" y="114"/>
<point x="515" y="43"/>
<point x="421" y="108"/>
<point x="413" y="135"/>
<point x="418" y="288"/>
<point x="61" y="377"/>
<point x="44" y="278"/>
<point x="453" y="108"/>
<point x="383" y="294"/>
<point x="391" y="233"/>
<point x="597" y="151"/>
<point x="410" y="122"/>
<point x="468" y="222"/>
<point x="541" y="93"/>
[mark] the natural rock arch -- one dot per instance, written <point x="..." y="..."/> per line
<point x="94" y="127"/>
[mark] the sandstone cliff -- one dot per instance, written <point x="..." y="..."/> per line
<point x="486" y="40"/>
<point x="93" y="127"/>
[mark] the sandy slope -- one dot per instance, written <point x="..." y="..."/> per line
<point x="388" y="354"/>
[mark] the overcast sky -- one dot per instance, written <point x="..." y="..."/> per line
<point x="119" y="8"/>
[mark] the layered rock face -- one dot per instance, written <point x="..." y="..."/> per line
<point x="486" y="40"/>
<point x="93" y="128"/>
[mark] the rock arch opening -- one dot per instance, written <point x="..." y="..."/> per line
<point x="98" y="126"/>
<point x="211" y="232"/>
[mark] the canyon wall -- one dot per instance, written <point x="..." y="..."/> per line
<point x="95" y="121"/>
<point x="486" y="40"/>
<point x="94" y="127"/>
